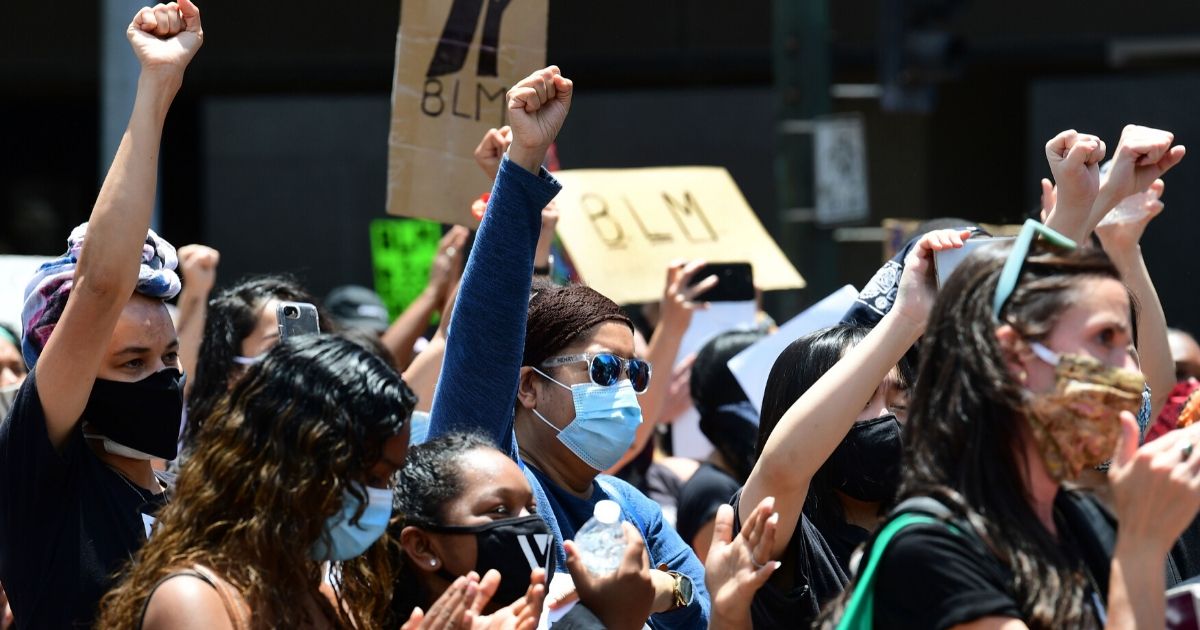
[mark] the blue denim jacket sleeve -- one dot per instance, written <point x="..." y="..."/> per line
<point x="477" y="389"/>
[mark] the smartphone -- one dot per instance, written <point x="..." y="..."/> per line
<point x="946" y="261"/>
<point x="296" y="319"/>
<point x="1181" y="608"/>
<point x="735" y="282"/>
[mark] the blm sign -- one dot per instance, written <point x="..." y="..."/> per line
<point x="455" y="60"/>
<point x="623" y="227"/>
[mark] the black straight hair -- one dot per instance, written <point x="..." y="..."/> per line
<point x="798" y="367"/>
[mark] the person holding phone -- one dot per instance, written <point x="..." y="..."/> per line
<point x="104" y="392"/>
<point x="242" y="324"/>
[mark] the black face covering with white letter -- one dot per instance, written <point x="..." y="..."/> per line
<point x="513" y="546"/>
<point x="866" y="465"/>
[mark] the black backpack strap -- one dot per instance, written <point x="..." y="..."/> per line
<point x="923" y="505"/>
<point x="935" y="508"/>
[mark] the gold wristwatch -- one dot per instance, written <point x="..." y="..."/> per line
<point x="684" y="591"/>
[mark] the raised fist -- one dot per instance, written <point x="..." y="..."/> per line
<point x="537" y="108"/>
<point x="1143" y="155"/>
<point x="491" y="149"/>
<point x="1074" y="160"/>
<point x="167" y="36"/>
<point x="198" y="265"/>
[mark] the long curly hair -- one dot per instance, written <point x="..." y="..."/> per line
<point x="232" y="316"/>
<point x="965" y="440"/>
<point x="275" y="457"/>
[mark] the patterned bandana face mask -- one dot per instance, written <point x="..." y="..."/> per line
<point x="1077" y="424"/>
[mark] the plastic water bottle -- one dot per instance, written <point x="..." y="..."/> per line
<point x="600" y="541"/>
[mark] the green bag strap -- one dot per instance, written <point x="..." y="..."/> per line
<point x="860" y="610"/>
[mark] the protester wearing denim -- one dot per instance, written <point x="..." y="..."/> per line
<point x="478" y="388"/>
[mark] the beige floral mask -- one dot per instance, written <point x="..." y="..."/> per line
<point x="1077" y="424"/>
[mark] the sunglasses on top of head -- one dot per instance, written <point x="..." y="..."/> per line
<point x="605" y="368"/>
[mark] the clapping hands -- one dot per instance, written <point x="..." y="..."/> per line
<point x="462" y="604"/>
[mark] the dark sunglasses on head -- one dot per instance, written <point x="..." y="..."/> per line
<point x="605" y="368"/>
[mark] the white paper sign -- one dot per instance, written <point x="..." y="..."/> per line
<point x="15" y="273"/>
<point x="719" y="317"/>
<point x="686" y="438"/>
<point x="752" y="366"/>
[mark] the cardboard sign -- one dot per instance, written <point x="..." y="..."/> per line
<point x="455" y="61"/>
<point x="752" y="366"/>
<point x="623" y="227"/>
<point x="402" y="252"/>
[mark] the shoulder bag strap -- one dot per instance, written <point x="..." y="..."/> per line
<point x="860" y="609"/>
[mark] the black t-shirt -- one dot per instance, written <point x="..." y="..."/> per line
<point x="931" y="577"/>
<point x="844" y="539"/>
<point x="68" y="522"/>
<point x="810" y="578"/>
<point x="662" y="486"/>
<point x="708" y="489"/>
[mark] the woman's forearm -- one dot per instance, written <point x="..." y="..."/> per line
<point x="812" y="428"/>
<point x="1136" y="587"/>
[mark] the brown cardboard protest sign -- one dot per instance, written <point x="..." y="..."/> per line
<point x="455" y="60"/>
<point x="622" y="227"/>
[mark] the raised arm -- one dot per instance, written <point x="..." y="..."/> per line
<point x="1143" y="155"/>
<point x="443" y="277"/>
<point x="164" y="39"/>
<point x="811" y="429"/>
<point x="198" y="265"/>
<point x="1074" y="160"/>
<point x="422" y="374"/>
<point x="478" y="384"/>
<point x="677" y="305"/>
<point x="1119" y="232"/>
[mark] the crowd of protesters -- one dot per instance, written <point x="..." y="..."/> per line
<point x="1012" y="448"/>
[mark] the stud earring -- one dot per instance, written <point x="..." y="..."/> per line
<point x="433" y="562"/>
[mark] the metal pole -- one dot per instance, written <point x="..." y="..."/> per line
<point x="803" y="72"/>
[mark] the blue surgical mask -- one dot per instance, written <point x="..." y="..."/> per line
<point x="606" y="421"/>
<point x="351" y="540"/>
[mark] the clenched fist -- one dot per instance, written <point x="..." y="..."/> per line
<point x="167" y="36"/>
<point x="491" y="149"/>
<point x="198" y="265"/>
<point x="537" y="108"/>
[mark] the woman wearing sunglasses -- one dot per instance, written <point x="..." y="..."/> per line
<point x="1028" y="378"/>
<point x="548" y="375"/>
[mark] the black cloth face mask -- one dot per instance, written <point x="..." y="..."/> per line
<point x="512" y="546"/>
<point x="866" y="464"/>
<point x="143" y="415"/>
